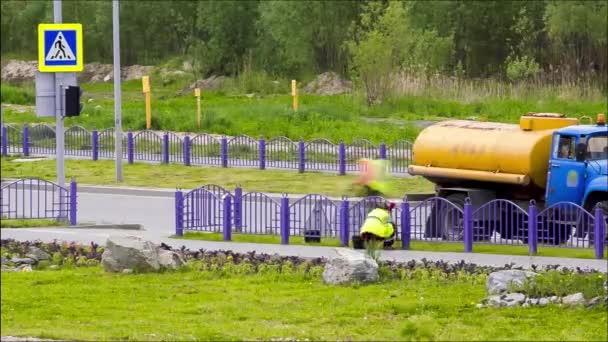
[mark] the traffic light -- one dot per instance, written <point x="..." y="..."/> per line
<point x="73" y="107"/>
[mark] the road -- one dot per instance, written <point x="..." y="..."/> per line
<point x="154" y="210"/>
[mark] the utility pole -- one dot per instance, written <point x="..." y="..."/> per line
<point x="59" y="130"/>
<point x="117" y="92"/>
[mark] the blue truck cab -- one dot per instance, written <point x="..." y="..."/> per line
<point x="578" y="166"/>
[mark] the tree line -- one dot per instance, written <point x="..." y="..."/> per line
<point x="367" y="40"/>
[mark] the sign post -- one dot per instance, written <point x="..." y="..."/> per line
<point x="294" y="93"/>
<point x="59" y="52"/>
<point x="145" y="80"/>
<point x="197" y="93"/>
<point x="117" y="92"/>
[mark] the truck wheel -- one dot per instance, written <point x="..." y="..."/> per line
<point x="453" y="224"/>
<point x="590" y="207"/>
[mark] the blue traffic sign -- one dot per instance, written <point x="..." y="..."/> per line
<point x="60" y="47"/>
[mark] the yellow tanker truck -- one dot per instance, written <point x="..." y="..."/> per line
<point x="548" y="158"/>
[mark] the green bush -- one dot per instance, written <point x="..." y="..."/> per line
<point x="554" y="283"/>
<point x="16" y="95"/>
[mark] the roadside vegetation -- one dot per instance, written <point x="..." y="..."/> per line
<point x="14" y="223"/>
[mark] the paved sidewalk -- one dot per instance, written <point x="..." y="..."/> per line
<point x="100" y="236"/>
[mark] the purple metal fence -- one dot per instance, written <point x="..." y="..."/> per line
<point x="436" y="219"/>
<point x="41" y="139"/>
<point x="78" y="142"/>
<point x="565" y="224"/>
<point x="260" y="214"/>
<point x="400" y="155"/>
<point x="202" y="210"/>
<point x="320" y="155"/>
<point x="34" y="198"/>
<point x="205" y="150"/>
<point x="281" y="152"/>
<point x="500" y="222"/>
<point x="357" y="150"/>
<point x="243" y="151"/>
<point x="14" y="139"/>
<point x="105" y="143"/>
<point x="315" y="215"/>
<point x="173" y="148"/>
<point x="147" y="146"/>
<point x="359" y="210"/>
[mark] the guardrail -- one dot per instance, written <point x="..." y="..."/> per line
<point x="211" y="208"/>
<point x="34" y="198"/>
<point x="204" y="149"/>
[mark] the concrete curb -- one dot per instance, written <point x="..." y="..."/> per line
<point x="90" y="226"/>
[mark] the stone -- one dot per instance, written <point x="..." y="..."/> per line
<point x="328" y="83"/>
<point x="350" y="266"/>
<point x="130" y="252"/>
<point x="37" y="254"/>
<point x="3" y="260"/>
<point x="554" y="299"/>
<point x="498" y="282"/>
<point x="533" y="301"/>
<point x="494" y="301"/>
<point x="574" y="299"/>
<point x="543" y="302"/>
<point x="20" y="261"/>
<point x="6" y="268"/>
<point x="169" y="259"/>
<point x="127" y="270"/>
<point x="514" y="299"/>
<point x="596" y="301"/>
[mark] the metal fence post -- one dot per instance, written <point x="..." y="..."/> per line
<point x="4" y="141"/>
<point x="342" y="158"/>
<point x="382" y="151"/>
<point x="238" y="208"/>
<point x="301" y="156"/>
<point x="598" y="233"/>
<point x="468" y="226"/>
<point x="285" y="220"/>
<point x="405" y="223"/>
<point x="165" y="148"/>
<point x="344" y="222"/>
<point x="73" y="202"/>
<point x="26" y="140"/>
<point x="227" y="218"/>
<point x="532" y="229"/>
<point x="187" y="150"/>
<point x="95" y="144"/>
<point x="262" y="154"/>
<point x="130" y="147"/>
<point x="224" y="151"/>
<point x="179" y="213"/>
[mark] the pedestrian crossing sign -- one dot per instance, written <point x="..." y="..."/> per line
<point x="60" y="48"/>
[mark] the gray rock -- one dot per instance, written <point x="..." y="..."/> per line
<point x="127" y="270"/>
<point x="130" y="252"/>
<point x="350" y="266"/>
<point x="533" y="301"/>
<point x="20" y="261"/>
<point x="6" y="268"/>
<point x="3" y="260"/>
<point x="494" y="301"/>
<point x="169" y="259"/>
<point x="543" y="302"/>
<point x="498" y="282"/>
<point x="574" y="299"/>
<point x="37" y="254"/>
<point x="554" y="299"/>
<point x="514" y="299"/>
<point x="595" y="301"/>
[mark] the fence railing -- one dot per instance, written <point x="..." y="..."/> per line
<point x="214" y="209"/>
<point x="34" y="198"/>
<point x="205" y="149"/>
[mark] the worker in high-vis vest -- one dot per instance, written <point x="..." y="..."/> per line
<point x="378" y="225"/>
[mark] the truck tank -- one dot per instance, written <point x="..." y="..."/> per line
<point x="460" y="152"/>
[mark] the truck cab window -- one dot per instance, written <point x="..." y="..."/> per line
<point x="565" y="149"/>
<point x="597" y="148"/>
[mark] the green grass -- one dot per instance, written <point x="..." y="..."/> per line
<point x="6" y="223"/>
<point x="170" y="176"/>
<point x="414" y="245"/>
<point x="195" y="305"/>
<point x="341" y="117"/>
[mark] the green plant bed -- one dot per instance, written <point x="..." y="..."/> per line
<point x="102" y="172"/>
<point x="414" y="245"/>
<point x="271" y="305"/>
<point x="13" y="223"/>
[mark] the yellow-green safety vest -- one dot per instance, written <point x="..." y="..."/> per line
<point x="378" y="222"/>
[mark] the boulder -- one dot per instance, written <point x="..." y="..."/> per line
<point x="130" y="252"/>
<point x="350" y="266"/>
<point x="574" y="299"/>
<point x="133" y="254"/>
<point x="328" y="83"/>
<point x="513" y="299"/>
<point x="596" y="301"/>
<point x="543" y="302"/>
<point x="37" y="254"/>
<point x="498" y="282"/>
<point x="19" y="261"/>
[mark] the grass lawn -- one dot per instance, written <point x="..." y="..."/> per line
<point x="414" y="245"/>
<point x="6" y="223"/>
<point x="170" y="176"/>
<point x="88" y="304"/>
